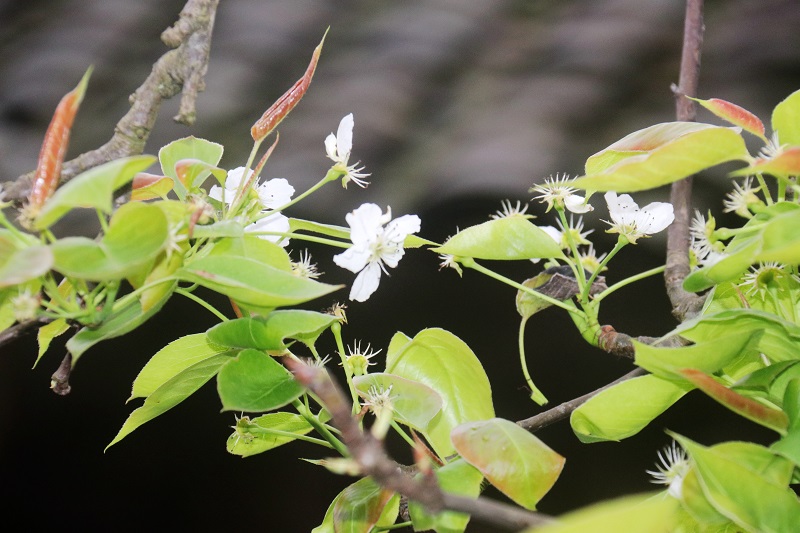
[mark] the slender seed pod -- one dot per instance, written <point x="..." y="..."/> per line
<point x="277" y="111"/>
<point x="54" y="147"/>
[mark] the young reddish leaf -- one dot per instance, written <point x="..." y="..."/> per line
<point x="736" y="115"/>
<point x="265" y="158"/>
<point x="747" y="407"/>
<point x="191" y="172"/>
<point x="147" y="186"/>
<point x="783" y="165"/>
<point x="54" y="147"/>
<point x="277" y="111"/>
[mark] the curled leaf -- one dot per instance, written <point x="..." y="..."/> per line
<point x="736" y="115"/>
<point x="283" y="105"/>
<point x="54" y="147"/>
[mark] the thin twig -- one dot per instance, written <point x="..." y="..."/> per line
<point x="560" y="412"/>
<point x="373" y="461"/>
<point x="20" y="329"/>
<point x="684" y="304"/>
<point x="180" y="70"/>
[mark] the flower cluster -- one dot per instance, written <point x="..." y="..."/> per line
<point x="272" y="194"/>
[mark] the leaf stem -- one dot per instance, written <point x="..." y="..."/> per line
<point x="321" y="428"/>
<point x="621" y="242"/>
<point x="627" y="281"/>
<point x="210" y="308"/>
<point x="536" y="395"/>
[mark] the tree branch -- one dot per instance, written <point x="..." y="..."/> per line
<point x="180" y="70"/>
<point x="368" y="452"/>
<point x="684" y="304"/>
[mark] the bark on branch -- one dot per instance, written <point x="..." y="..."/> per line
<point x="684" y="304"/>
<point x="180" y="70"/>
<point x="368" y="452"/>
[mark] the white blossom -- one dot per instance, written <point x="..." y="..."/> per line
<point x="557" y="190"/>
<point x="673" y="467"/>
<point x="377" y="243"/>
<point x="634" y="223"/>
<point x="338" y="148"/>
<point x="272" y="194"/>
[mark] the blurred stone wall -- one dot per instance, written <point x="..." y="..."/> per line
<point x="457" y="105"/>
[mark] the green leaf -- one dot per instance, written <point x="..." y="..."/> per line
<point x="414" y="404"/>
<point x="121" y="321"/>
<point x="360" y="507"/>
<point x="516" y="462"/>
<point x="779" y="239"/>
<point x="779" y="342"/>
<point x="660" y="155"/>
<point x="708" y="356"/>
<point x="783" y="165"/>
<point x="443" y="362"/>
<point x="507" y="238"/>
<point x="728" y="268"/>
<point x="253" y="283"/>
<point x="171" y="360"/>
<point x="265" y="432"/>
<point x="171" y="393"/>
<point x="645" y="514"/>
<point x="254" y="382"/>
<point x="697" y="505"/>
<point x="625" y="409"/>
<point x="22" y="258"/>
<point x="457" y="477"/>
<point x="137" y="233"/>
<point x="47" y="333"/>
<point x="188" y="148"/>
<point x="786" y="119"/>
<point x="770" y="382"/>
<point x="149" y="186"/>
<point x="758" y="459"/>
<point x="255" y="248"/>
<point x="742" y="495"/>
<point x="223" y="228"/>
<point x="268" y="333"/>
<point x="91" y="189"/>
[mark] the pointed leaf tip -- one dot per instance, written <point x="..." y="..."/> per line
<point x="736" y="115"/>
<point x="283" y="105"/>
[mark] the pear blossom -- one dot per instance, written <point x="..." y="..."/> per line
<point x="338" y="147"/>
<point x="707" y="249"/>
<point x="741" y="197"/>
<point x="672" y="470"/>
<point x="634" y="223"/>
<point x="509" y="210"/>
<point x="272" y="194"/>
<point x="557" y="190"/>
<point x="377" y="243"/>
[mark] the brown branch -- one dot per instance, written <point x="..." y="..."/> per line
<point x="20" y="329"/>
<point x="562" y="411"/>
<point x="684" y="304"/>
<point x="180" y="70"/>
<point x="368" y="452"/>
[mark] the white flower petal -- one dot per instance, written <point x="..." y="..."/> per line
<point x="276" y="223"/>
<point x="577" y="204"/>
<point x="654" y="217"/>
<point x="366" y="282"/>
<point x="398" y="229"/>
<point x="235" y="177"/>
<point x="215" y="192"/>
<point x="554" y="233"/>
<point x="621" y="208"/>
<point x="353" y="259"/>
<point x="275" y="192"/>
<point x="365" y="223"/>
<point x="344" y="138"/>
<point x="330" y="147"/>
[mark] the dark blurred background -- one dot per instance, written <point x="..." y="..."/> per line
<point x="458" y="105"/>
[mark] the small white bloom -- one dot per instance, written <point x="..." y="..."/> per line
<point x="304" y="268"/>
<point x="338" y="148"/>
<point x="377" y="243"/>
<point x="634" y="223"/>
<point x="509" y="210"/>
<point x="589" y="259"/>
<point x="672" y="470"/>
<point x="773" y="148"/>
<point x="272" y="194"/>
<point x="556" y="190"/>
<point x="741" y="197"/>
<point x="358" y="361"/>
<point x="706" y="248"/>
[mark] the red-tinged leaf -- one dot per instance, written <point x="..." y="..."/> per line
<point x="283" y="105"/>
<point x="191" y="172"/>
<point x="736" y="115"/>
<point x="747" y="407"/>
<point x="147" y="186"/>
<point x="783" y="165"/>
<point x="54" y="147"/>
